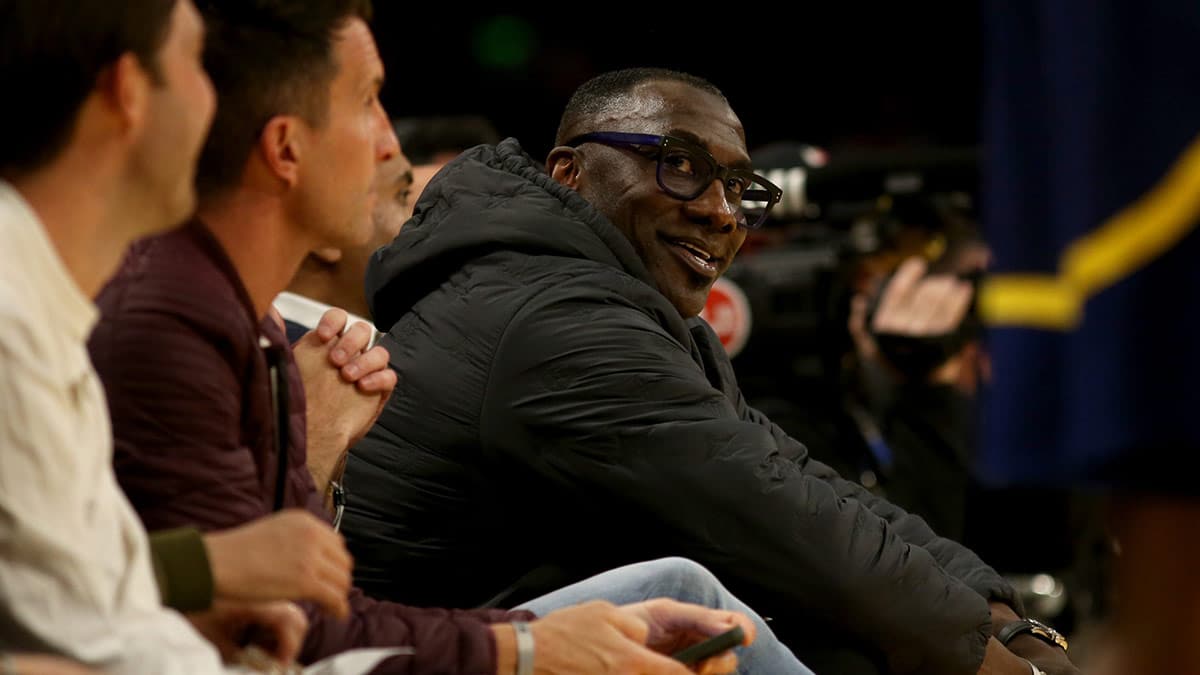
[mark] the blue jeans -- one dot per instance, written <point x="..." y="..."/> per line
<point x="685" y="581"/>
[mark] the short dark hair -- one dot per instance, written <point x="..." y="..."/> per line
<point x="266" y="58"/>
<point x="56" y="50"/>
<point x="423" y="138"/>
<point x="594" y="97"/>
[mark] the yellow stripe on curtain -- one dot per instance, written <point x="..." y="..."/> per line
<point x="1131" y="239"/>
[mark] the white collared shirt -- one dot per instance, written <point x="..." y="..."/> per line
<point x="308" y="312"/>
<point x="75" y="570"/>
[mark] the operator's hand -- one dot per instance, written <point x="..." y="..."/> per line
<point x="919" y="306"/>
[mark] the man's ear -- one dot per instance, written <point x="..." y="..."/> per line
<point x="126" y="88"/>
<point x="281" y="148"/>
<point x="327" y="255"/>
<point x="563" y="165"/>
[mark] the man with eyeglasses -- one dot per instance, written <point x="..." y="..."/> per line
<point x="560" y="402"/>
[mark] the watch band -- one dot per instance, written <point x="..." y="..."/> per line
<point x="1011" y="630"/>
<point x="524" y="648"/>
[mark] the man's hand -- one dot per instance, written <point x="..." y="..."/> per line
<point x="999" y="661"/>
<point x="1049" y="658"/>
<point x="598" y="637"/>
<point x="290" y="555"/>
<point x="277" y="627"/>
<point x="674" y="625"/>
<point x="366" y="368"/>
<point x="345" y="388"/>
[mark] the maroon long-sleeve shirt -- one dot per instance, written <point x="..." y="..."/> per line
<point x="178" y="348"/>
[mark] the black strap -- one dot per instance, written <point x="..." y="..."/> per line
<point x="1012" y="630"/>
<point x="279" y="401"/>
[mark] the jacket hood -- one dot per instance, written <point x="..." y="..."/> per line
<point x="489" y="198"/>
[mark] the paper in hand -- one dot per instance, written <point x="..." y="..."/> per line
<point x="350" y="662"/>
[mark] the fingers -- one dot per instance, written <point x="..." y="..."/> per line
<point x="916" y="305"/>
<point x="351" y="344"/>
<point x="652" y="663"/>
<point x="596" y="637"/>
<point x="907" y="275"/>
<point x="678" y="618"/>
<point x="286" y="623"/>
<point x="326" y="567"/>
<point x="630" y="624"/>
<point x="332" y="575"/>
<point x="724" y="620"/>
<point x="293" y="631"/>
<point x="370" y="362"/>
<point x="954" y="305"/>
<point x="925" y="300"/>
<point x="719" y="664"/>
<point x="381" y="382"/>
<point x="330" y="588"/>
<point x="303" y="526"/>
<point x="332" y="323"/>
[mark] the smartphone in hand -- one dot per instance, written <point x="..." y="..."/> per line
<point x="710" y="647"/>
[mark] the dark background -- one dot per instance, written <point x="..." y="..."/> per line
<point x="834" y="75"/>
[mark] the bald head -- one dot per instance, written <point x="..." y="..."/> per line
<point x="611" y="98"/>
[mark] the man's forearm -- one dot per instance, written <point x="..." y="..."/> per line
<point x="327" y="450"/>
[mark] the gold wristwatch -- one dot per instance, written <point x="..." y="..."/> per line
<point x="1035" y="628"/>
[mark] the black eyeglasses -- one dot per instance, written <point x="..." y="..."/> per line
<point x="685" y="170"/>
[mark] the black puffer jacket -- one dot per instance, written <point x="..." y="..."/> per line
<point x="553" y="407"/>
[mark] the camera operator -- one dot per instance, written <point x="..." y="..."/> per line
<point x="920" y="363"/>
<point x="878" y="377"/>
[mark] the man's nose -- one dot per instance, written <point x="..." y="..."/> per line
<point x="714" y="207"/>
<point x="387" y="145"/>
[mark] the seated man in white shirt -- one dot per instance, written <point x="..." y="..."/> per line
<point x="333" y="277"/>
<point x="103" y="155"/>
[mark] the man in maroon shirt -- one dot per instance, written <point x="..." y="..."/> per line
<point x="209" y="406"/>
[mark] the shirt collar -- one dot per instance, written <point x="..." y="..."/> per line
<point x="51" y="283"/>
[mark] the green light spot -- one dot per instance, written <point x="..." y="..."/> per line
<point x="504" y="42"/>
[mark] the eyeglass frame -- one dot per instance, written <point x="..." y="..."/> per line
<point x="661" y="143"/>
